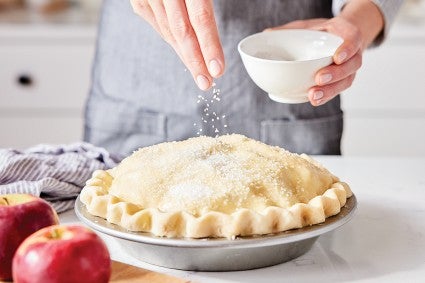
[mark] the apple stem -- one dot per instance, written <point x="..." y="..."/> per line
<point x="4" y="201"/>
<point x="56" y="233"/>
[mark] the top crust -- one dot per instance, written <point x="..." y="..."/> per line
<point x="214" y="187"/>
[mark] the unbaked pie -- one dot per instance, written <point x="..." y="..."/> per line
<point x="214" y="187"/>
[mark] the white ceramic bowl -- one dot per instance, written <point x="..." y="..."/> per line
<point x="283" y="62"/>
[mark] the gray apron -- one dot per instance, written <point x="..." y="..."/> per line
<point x="142" y="94"/>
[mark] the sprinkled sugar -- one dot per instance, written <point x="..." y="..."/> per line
<point x="187" y="195"/>
<point x="190" y="192"/>
<point x="209" y="116"/>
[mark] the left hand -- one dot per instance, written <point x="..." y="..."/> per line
<point x="337" y="77"/>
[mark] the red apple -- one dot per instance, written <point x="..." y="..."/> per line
<point x="62" y="254"/>
<point x="20" y="216"/>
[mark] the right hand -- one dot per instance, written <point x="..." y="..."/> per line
<point x="189" y="27"/>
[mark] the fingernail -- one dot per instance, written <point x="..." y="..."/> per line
<point x="203" y="82"/>
<point x="214" y="68"/>
<point x="318" y="95"/>
<point x="325" y="78"/>
<point x="341" y="57"/>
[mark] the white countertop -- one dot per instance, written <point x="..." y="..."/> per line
<point x="384" y="242"/>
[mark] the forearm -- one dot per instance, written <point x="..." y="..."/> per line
<point x="365" y="15"/>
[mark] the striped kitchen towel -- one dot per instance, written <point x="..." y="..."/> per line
<point x="54" y="172"/>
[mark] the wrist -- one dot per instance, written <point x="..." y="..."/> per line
<point x="367" y="17"/>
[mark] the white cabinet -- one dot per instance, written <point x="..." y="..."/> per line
<point x="45" y="66"/>
<point x="385" y="107"/>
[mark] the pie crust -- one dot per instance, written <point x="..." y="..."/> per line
<point x="214" y="187"/>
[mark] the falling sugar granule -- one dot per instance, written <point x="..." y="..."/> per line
<point x="209" y="114"/>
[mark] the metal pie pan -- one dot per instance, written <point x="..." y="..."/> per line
<point x="217" y="254"/>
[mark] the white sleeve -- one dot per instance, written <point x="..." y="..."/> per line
<point x="389" y="9"/>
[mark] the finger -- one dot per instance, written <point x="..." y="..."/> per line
<point x="201" y="16"/>
<point x="143" y="9"/>
<point x="347" y="50"/>
<point x="352" y="39"/>
<point x="319" y="95"/>
<point x="158" y="10"/>
<point x="187" y="42"/>
<point x="334" y="73"/>
<point x="160" y="15"/>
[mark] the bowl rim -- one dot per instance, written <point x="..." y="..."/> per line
<point x="243" y="53"/>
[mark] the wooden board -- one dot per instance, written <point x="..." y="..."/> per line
<point x="124" y="273"/>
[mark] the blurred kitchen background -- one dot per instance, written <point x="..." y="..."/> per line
<point x="47" y="46"/>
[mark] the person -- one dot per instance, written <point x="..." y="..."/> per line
<point x="142" y="94"/>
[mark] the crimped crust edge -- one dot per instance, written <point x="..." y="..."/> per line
<point x="243" y="222"/>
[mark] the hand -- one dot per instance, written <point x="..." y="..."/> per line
<point x="339" y="76"/>
<point x="189" y="27"/>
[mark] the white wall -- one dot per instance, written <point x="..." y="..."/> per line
<point x="385" y="107"/>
